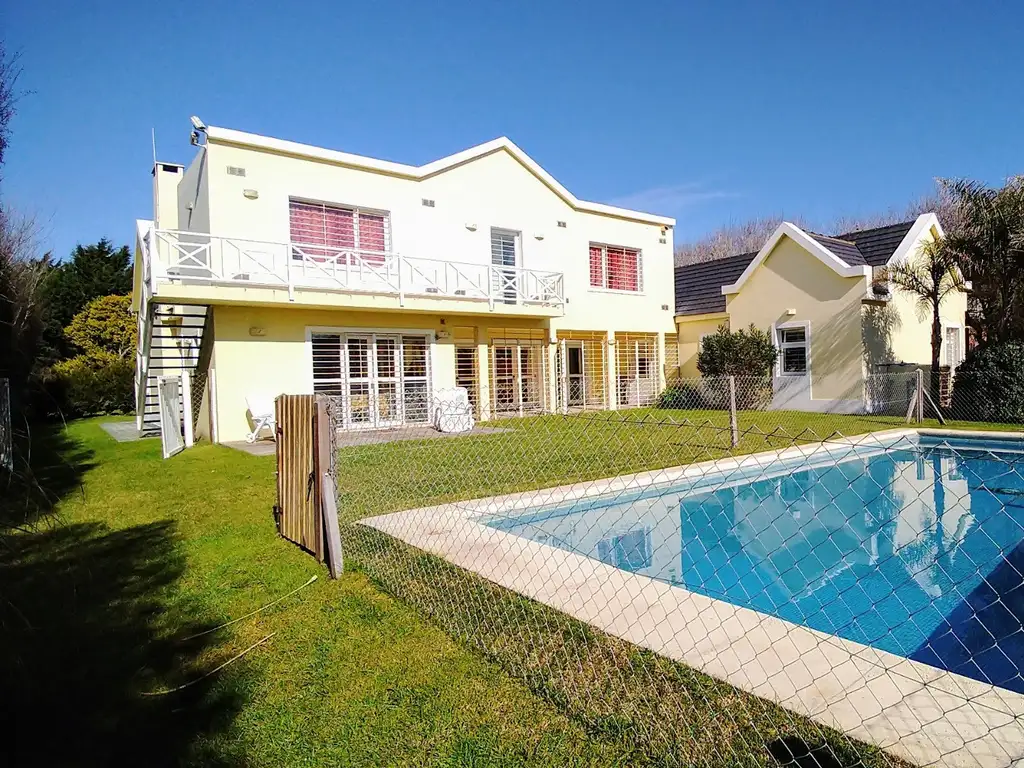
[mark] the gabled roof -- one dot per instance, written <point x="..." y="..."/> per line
<point x="699" y="286"/>
<point x="421" y="172"/>
<point x="851" y="254"/>
<point x="841" y="247"/>
<point x="879" y="244"/>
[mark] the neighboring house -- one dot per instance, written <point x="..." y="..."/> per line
<point x="275" y="267"/>
<point x="828" y="307"/>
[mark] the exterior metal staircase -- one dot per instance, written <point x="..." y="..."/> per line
<point x="174" y="338"/>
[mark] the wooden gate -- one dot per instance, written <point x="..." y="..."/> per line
<point x="306" y="505"/>
<point x="298" y="486"/>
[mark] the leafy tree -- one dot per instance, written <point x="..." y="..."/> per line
<point x="92" y="271"/>
<point x="931" y="276"/>
<point x="105" y="325"/>
<point x="737" y="353"/>
<point x="987" y="236"/>
<point x="99" y="380"/>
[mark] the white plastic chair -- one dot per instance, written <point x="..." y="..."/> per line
<point x="452" y="411"/>
<point x="261" y="408"/>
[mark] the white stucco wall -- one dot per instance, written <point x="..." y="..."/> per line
<point x="495" y="190"/>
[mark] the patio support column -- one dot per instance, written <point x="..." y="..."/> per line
<point x="483" y="373"/>
<point x="611" y="384"/>
<point x="551" y="382"/>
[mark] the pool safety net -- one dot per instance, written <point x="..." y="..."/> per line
<point x="746" y="571"/>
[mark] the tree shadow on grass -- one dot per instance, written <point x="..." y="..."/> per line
<point x="48" y="466"/>
<point x="86" y="626"/>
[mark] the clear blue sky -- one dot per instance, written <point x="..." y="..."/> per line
<point x="709" y="112"/>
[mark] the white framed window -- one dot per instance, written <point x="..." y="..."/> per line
<point x="953" y="350"/>
<point x="794" y="343"/>
<point x="335" y="232"/>
<point x="615" y="268"/>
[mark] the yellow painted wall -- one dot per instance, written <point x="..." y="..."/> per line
<point x="691" y="329"/>
<point x="792" y="278"/>
<point x="911" y="325"/>
<point x="278" y="358"/>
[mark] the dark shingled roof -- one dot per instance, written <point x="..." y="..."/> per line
<point x="877" y="245"/>
<point x="844" y="249"/>
<point x="699" y="286"/>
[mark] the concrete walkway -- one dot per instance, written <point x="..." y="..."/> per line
<point x="123" y="431"/>
<point x="353" y="438"/>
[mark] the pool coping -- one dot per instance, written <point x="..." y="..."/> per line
<point x="921" y="713"/>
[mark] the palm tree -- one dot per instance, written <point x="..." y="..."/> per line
<point x="931" y="277"/>
<point x="986" y="232"/>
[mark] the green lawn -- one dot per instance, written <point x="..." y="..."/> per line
<point x="101" y="600"/>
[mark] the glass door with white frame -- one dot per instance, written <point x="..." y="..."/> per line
<point x="576" y="383"/>
<point x="387" y="383"/>
<point x="505" y="261"/>
<point x="381" y="378"/>
<point x="358" y="396"/>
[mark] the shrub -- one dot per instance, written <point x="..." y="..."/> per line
<point x="685" y="396"/>
<point x="737" y="353"/>
<point x="989" y="384"/>
<point x="95" y="383"/>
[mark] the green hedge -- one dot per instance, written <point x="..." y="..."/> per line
<point x="95" y="383"/>
<point x="989" y="384"/>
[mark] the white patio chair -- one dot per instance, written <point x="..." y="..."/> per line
<point x="452" y="411"/>
<point x="261" y="408"/>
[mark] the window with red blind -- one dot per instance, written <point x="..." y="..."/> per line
<point x="615" y="268"/>
<point x="331" y="232"/>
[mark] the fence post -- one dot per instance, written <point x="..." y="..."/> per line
<point x="920" y="396"/>
<point x="734" y="427"/>
<point x="186" y="407"/>
<point x="323" y="453"/>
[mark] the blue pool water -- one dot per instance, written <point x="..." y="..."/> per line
<point x="918" y="551"/>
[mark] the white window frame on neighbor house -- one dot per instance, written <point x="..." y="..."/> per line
<point x="961" y="344"/>
<point x="603" y="288"/>
<point x="781" y="346"/>
<point x="431" y="360"/>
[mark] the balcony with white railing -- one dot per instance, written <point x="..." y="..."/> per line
<point x="191" y="258"/>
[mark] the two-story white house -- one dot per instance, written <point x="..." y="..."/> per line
<point x="275" y="267"/>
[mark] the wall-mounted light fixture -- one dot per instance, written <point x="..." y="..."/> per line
<point x="251" y="194"/>
<point x="471" y="227"/>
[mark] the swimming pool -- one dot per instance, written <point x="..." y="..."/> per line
<point x="916" y="550"/>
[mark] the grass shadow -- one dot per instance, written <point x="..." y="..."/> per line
<point x="87" y="627"/>
<point x="48" y="466"/>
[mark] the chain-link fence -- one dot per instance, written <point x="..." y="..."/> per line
<point x="720" y="578"/>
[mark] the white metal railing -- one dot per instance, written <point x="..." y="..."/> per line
<point x="198" y="257"/>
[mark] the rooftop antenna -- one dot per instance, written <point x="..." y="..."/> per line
<point x="153" y="132"/>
